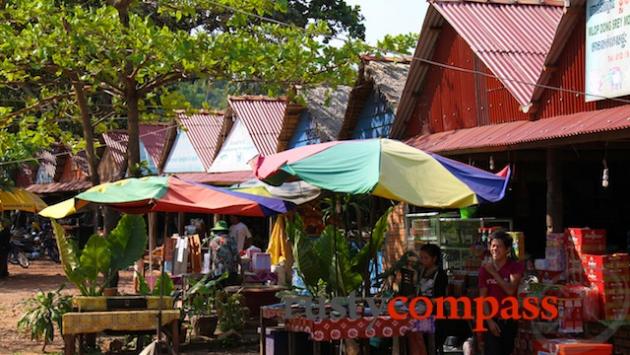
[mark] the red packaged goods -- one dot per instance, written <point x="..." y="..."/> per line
<point x="582" y="347"/>
<point x="605" y="275"/>
<point x="613" y="294"/>
<point x="616" y="312"/>
<point x="588" y="241"/>
<point x="612" y="261"/>
<point x="570" y="315"/>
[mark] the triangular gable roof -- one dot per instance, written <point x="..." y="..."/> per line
<point x="152" y="137"/>
<point x="326" y="108"/>
<point x="262" y="116"/>
<point x="206" y="132"/>
<point x="512" y="39"/>
<point x="383" y="75"/>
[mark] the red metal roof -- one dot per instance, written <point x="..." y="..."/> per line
<point x="153" y="138"/>
<point x="116" y="141"/>
<point x="70" y="186"/>
<point x="205" y="131"/>
<point x="263" y="118"/>
<point x="506" y="135"/>
<point x="229" y="178"/>
<point x="512" y="40"/>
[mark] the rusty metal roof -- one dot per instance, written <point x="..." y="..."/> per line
<point x="153" y="137"/>
<point x="263" y="117"/>
<point x="117" y="141"/>
<point x="521" y="133"/>
<point x="206" y="132"/>
<point x="69" y="186"/>
<point x="512" y="40"/>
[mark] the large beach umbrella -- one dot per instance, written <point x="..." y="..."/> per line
<point x="297" y="192"/>
<point x="168" y="194"/>
<point x="19" y="199"/>
<point x="386" y="168"/>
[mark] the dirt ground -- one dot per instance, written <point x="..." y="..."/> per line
<point x="23" y="284"/>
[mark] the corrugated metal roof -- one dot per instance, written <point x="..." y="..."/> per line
<point x="117" y="141"/>
<point x="206" y="133"/>
<point x="153" y="138"/>
<point x="263" y="117"/>
<point x="505" y="135"/>
<point x="512" y="40"/>
<point x="70" y="186"/>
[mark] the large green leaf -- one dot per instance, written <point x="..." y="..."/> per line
<point x="164" y="285"/>
<point x="127" y="241"/>
<point x="361" y="260"/>
<point x="95" y="258"/>
<point x="307" y="259"/>
<point x="68" y="253"/>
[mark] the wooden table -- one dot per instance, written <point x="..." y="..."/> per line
<point x="77" y="324"/>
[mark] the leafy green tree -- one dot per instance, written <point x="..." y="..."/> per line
<point x="80" y="52"/>
<point x="398" y="44"/>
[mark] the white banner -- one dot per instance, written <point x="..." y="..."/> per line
<point x="607" y="49"/>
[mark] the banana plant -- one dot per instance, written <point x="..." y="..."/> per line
<point x="101" y="256"/>
<point x="329" y="270"/>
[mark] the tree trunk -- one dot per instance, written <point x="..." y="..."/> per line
<point x="133" y="117"/>
<point x="131" y="97"/>
<point x="88" y="135"/>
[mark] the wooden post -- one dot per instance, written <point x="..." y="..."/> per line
<point x="152" y="217"/>
<point x="554" y="192"/>
<point x="180" y="223"/>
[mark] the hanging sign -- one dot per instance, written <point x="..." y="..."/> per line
<point x="607" y="49"/>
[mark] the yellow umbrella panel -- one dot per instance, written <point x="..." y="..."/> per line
<point x="20" y="199"/>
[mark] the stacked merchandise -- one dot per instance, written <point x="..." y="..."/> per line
<point x="588" y="283"/>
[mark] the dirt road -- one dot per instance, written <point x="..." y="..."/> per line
<point x="45" y="275"/>
<point x="23" y="284"/>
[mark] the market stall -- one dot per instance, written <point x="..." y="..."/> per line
<point x="148" y="195"/>
<point x="383" y="168"/>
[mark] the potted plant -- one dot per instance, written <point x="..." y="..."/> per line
<point x="43" y="313"/>
<point x="94" y="267"/>
<point x="199" y="301"/>
<point x="231" y="311"/>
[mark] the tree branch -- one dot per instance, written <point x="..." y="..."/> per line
<point x="39" y="104"/>
<point x="161" y="80"/>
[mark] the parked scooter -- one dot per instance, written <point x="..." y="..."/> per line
<point x="17" y="254"/>
<point x="48" y="244"/>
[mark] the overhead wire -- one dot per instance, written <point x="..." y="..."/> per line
<point x="403" y="56"/>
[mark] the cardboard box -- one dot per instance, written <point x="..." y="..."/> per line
<point x="587" y="241"/>
<point x="612" y="261"/>
<point x="606" y="275"/>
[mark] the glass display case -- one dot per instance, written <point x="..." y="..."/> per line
<point x="456" y="237"/>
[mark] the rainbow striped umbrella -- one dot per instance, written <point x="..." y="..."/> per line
<point x="169" y="194"/>
<point x="386" y="168"/>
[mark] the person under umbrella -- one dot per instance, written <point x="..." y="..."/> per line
<point x="225" y="256"/>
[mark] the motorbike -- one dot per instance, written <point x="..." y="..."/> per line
<point x="17" y="254"/>
<point x="48" y="245"/>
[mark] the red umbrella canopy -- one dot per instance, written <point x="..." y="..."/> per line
<point x="169" y="194"/>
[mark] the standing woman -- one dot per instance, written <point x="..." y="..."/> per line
<point x="432" y="283"/>
<point x="500" y="278"/>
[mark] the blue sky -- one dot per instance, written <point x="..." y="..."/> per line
<point x="390" y="16"/>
